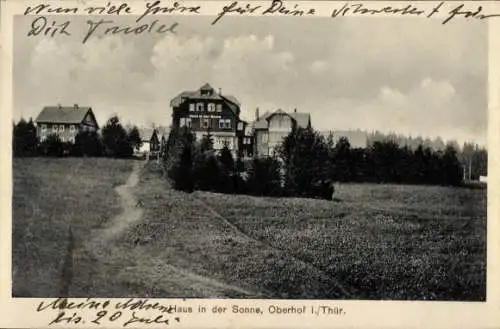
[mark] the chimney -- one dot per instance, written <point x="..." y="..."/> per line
<point x="220" y="91"/>
<point x="295" y="110"/>
<point x="257" y="114"/>
<point x="76" y="106"/>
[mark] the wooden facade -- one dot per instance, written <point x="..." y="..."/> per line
<point x="206" y="111"/>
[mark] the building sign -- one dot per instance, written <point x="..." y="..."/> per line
<point x="205" y="116"/>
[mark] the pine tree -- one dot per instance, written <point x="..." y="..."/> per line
<point x="135" y="138"/>
<point x="24" y="138"/>
<point x="264" y="177"/>
<point x="183" y="178"/>
<point x="207" y="143"/>
<point x="115" y="138"/>
<point x="226" y="160"/>
<point x="227" y="170"/>
<point x="341" y="162"/>
<point x="305" y="158"/>
<point x="451" y="169"/>
<point x="88" y="143"/>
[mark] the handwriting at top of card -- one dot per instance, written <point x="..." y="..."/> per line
<point x="274" y="8"/>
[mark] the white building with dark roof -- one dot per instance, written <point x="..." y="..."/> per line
<point x="272" y="127"/>
<point x="65" y="122"/>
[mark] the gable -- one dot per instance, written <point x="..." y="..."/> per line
<point x="154" y="137"/>
<point x="280" y="121"/>
<point x="90" y="119"/>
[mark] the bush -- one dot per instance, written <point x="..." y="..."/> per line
<point x="182" y="171"/>
<point x="264" y="177"/>
<point x="52" y="146"/>
<point x="87" y="143"/>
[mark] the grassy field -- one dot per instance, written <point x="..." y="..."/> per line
<point x="376" y="242"/>
<point x="49" y="196"/>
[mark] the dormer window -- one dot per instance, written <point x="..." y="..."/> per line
<point x="206" y="90"/>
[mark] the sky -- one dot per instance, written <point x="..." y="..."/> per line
<point x="400" y="75"/>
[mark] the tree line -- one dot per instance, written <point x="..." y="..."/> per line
<point x="113" y="141"/>
<point x="473" y="158"/>
<point x="306" y="164"/>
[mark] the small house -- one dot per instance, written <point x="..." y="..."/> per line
<point x="65" y="122"/>
<point x="150" y="141"/>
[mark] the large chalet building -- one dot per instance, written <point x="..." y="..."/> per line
<point x="206" y="111"/>
<point x="65" y="122"/>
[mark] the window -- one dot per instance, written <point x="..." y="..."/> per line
<point x="63" y="139"/>
<point x="182" y="122"/>
<point x="54" y="128"/>
<point x="71" y="140"/>
<point x="43" y="138"/>
<point x="72" y="128"/>
<point x="205" y="123"/>
<point x="219" y="107"/>
<point x="191" y="107"/>
<point x="224" y="123"/>
<point x="240" y="125"/>
<point x="211" y="107"/>
<point x="188" y="122"/>
<point x="199" y="107"/>
<point x="61" y="128"/>
<point x="44" y="127"/>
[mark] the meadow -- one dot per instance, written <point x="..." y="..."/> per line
<point x="50" y="196"/>
<point x="394" y="242"/>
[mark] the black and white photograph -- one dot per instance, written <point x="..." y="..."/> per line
<point x="249" y="157"/>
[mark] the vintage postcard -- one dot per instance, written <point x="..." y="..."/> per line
<point x="238" y="164"/>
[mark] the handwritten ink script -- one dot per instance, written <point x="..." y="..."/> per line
<point x="51" y="27"/>
<point x="127" y="313"/>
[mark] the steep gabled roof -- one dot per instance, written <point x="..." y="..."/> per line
<point x="63" y="114"/>
<point x="303" y="119"/>
<point x="146" y="133"/>
<point x="261" y="122"/>
<point x="206" y="86"/>
<point x="230" y="100"/>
